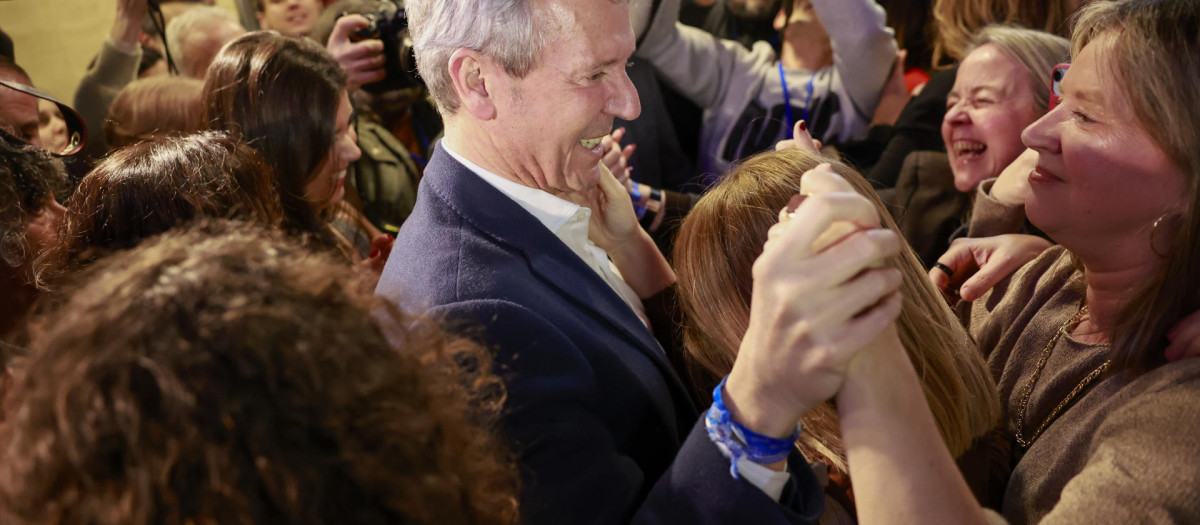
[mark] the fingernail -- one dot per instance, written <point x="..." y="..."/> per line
<point x="803" y="126"/>
<point x="374" y="253"/>
<point x="795" y="201"/>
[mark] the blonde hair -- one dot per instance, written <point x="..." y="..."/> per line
<point x="716" y="248"/>
<point x="1155" y="58"/>
<point x="1037" y="52"/>
<point x="153" y="107"/>
<point x="957" y="21"/>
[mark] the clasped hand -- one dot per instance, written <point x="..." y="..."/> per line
<point x="821" y="295"/>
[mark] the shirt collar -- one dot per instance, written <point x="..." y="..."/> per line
<point x="553" y="212"/>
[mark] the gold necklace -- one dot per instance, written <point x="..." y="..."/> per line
<point x="1037" y="373"/>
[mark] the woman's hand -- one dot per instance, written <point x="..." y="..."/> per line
<point x="812" y="309"/>
<point x="616" y="158"/>
<point x="1012" y="185"/>
<point x="381" y="249"/>
<point x="362" y="61"/>
<point x="1184" y="338"/>
<point x="977" y="264"/>
<point x="801" y="139"/>
<point x="614" y="228"/>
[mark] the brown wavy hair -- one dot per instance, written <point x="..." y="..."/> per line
<point x="148" y="188"/>
<point x="225" y="374"/>
<point x="956" y="22"/>
<point x="716" y="248"/>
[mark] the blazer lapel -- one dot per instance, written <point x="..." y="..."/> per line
<point x="499" y="217"/>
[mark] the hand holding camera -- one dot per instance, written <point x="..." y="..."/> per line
<point x="362" y="59"/>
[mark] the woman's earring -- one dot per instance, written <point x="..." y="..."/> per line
<point x="1153" y="230"/>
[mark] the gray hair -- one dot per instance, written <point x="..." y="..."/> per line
<point x="1037" y="51"/>
<point x="193" y="20"/>
<point x="502" y="30"/>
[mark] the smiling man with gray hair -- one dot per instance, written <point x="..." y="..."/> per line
<point x="603" y="428"/>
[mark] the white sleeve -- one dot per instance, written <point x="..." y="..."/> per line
<point x="864" y="48"/>
<point x="699" y="65"/>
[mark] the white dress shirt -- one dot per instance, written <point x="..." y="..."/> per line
<point x="567" y="221"/>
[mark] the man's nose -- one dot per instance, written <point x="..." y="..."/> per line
<point x="624" y="102"/>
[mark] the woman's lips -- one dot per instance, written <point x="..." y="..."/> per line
<point x="1041" y="175"/>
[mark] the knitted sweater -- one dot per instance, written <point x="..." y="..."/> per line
<point x="1127" y="450"/>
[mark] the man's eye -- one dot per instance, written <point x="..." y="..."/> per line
<point x="1079" y="115"/>
<point x="596" y="76"/>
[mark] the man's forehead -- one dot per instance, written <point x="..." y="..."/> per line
<point x="604" y="25"/>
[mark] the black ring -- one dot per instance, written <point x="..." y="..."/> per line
<point x="944" y="268"/>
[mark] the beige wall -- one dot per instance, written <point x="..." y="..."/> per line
<point x="56" y="39"/>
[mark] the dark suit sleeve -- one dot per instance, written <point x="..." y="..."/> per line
<point x="571" y="469"/>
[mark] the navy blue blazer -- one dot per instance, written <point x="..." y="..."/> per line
<point x="603" y="428"/>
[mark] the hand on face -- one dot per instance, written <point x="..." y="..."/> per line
<point x="613" y="222"/>
<point x="814" y="307"/>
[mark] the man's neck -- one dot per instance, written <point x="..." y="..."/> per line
<point x="478" y="147"/>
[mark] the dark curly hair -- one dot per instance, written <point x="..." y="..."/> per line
<point x="148" y="188"/>
<point x="29" y="177"/>
<point x="225" y="374"/>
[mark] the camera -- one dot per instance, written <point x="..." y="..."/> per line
<point x="389" y="24"/>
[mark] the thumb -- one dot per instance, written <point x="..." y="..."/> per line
<point x="347" y="25"/>
<point x="983" y="280"/>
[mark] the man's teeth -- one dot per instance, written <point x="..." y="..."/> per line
<point x="962" y="147"/>
<point x="591" y="143"/>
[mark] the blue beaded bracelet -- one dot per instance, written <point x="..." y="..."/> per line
<point x="738" y="442"/>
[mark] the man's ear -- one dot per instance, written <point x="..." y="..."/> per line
<point x="469" y="74"/>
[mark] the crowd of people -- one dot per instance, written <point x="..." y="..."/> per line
<point x="590" y="261"/>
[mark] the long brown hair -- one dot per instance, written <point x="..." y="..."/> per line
<point x="716" y="248"/>
<point x="1155" y="54"/>
<point x="280" y="95"/>
<point x="225" y="374"/>
<point x="956" y="22"/>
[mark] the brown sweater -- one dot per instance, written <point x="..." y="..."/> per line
<point x="1127" y="450"/>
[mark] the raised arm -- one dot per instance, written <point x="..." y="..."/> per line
<point x="864" y="50"/>
<point x="697" y="64"/>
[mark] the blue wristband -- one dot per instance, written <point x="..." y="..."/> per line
<point x="636" y="195"/>
<point x="738" y="442"/>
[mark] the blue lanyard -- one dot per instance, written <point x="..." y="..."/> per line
<point x="787" y="101"/>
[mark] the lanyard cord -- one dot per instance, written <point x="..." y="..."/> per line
<point x="787" y="101"/>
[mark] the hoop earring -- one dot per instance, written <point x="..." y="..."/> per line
<point x="1153" y="230"/>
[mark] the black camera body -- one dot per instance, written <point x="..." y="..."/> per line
<point x="390" y="25"/>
